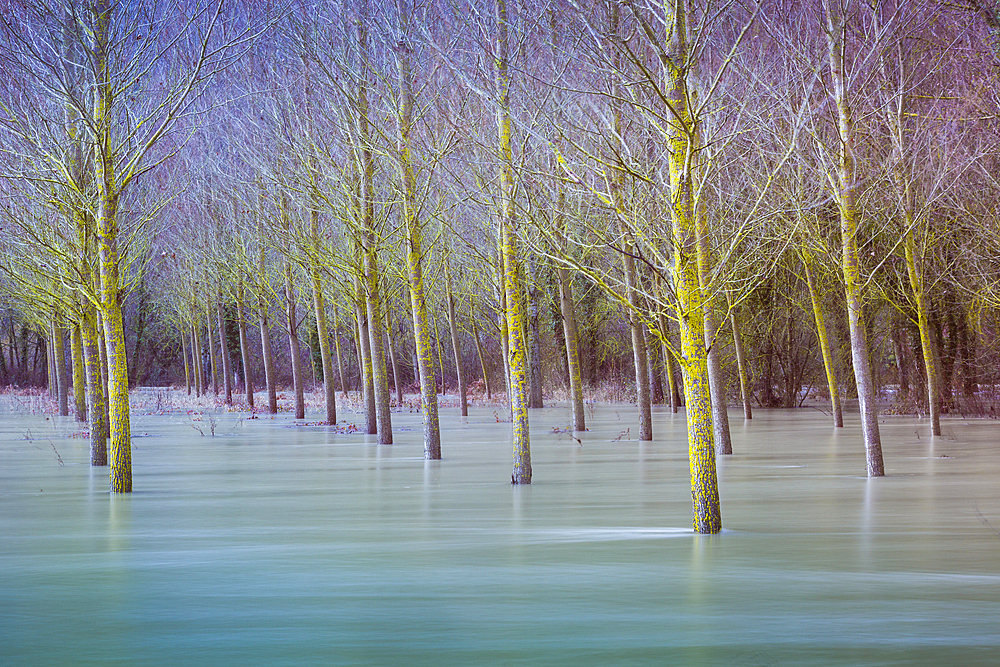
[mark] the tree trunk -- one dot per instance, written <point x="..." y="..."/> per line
<point x="322" y="333"/>
<point x="340" y="358"/>
<point x="572" y="349"/>
<point x="835" y="31"/>
<point x="79" y="384"/>
<point x="227" y="370"/>
<point x="741" y="366"/>
<point x="512" y="285"/>
<point x="824" y="343"/>
<point x="184" y="354"/>
<point x="294" y="348"/>
<point x="97" y="415"/>
<point x="456" y="349"/>
<point x="690" y="299"/>
<point x="199" y="372"/>
<point x="365" y="360"/>
<point x="482" y="359"/>
<point x="244" y="347"/>
<point x="535" y="399"/>
<point x="209" y="334"/>
<point x="59" y="362"/>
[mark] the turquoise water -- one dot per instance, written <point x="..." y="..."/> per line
<point x="288" y="545"/>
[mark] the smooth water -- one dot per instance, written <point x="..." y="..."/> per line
<point x="275" y="544"/>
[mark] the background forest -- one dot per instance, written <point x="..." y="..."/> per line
<point x="629" y="200"/>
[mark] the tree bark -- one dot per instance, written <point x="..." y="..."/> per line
<point x="835" y="31"/>
<point x="244" y="347"/>
<point x="227" y="371"/>
<point x="456" y="349"/>
<point x="512" y="285"/>
<point x="79" y="384"/>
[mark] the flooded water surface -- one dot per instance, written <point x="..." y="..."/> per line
<point x="281" y="544"/>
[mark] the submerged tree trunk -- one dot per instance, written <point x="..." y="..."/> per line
<point x="323" y="334"/>
<point x="535" y="399"/>
<point x="79" y="384"/>
<point x="456" y="349"/>
<point x="294" y="347"/>
<point x="199" y="372"/>
<point x="244" y="347"/>
<point x="512" y="285"/>
<point x="97" y="415"/>
<point x="482" y="359"/>
<point x="185" y="355"/>
<point x="59" y="363"/>
<point x="824" y="343"/>
<point x="741" y="366"/>
<point x="835" y="31"/>
<point x="209" y="334"/>
<point x="365" y="360"/>
<point x="227" y="369"/>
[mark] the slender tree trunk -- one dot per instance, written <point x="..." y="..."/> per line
<point x="209" y="334"/>
<point x="835" y="30"/>
<point x="365" y="360"/>
<point x="97" y="415"/>
<point x="482" y="359"/>
<point x="322" y="333"/>
<point x="265" y="348"/>
<point x="227" y="370"/>
<point x="241" y="316"/>
<point x="59" y="362"/>
<point x="535" y="399"/>
<point x="456" y="349"/>
<point x="390" y="347"/>
<point x="414" y="243"/>
<point x="199" y="372"/>
<point x="572" y="349"/>
<point x="340" y="358"/>
<point x="668" y="364"/>
<point x="294" y="348"/>
<point x="741" y="366"/>
<point x="517" y="377"/>
<point x="616" y="181"/>
<point x="824" y="343"/>
<point x="79" y="385"/>
<point x="184" y="355"/>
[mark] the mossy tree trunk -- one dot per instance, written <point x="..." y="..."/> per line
<point x="512" y="285"/>
<point x="853" y="283"/>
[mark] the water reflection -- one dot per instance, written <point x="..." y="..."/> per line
<point x="274" y="544"/>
